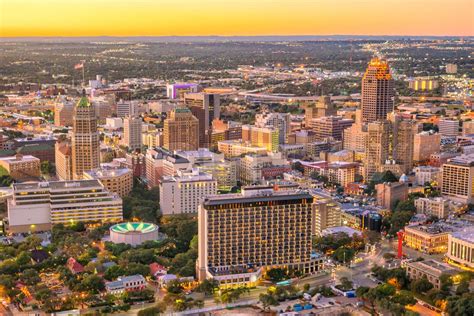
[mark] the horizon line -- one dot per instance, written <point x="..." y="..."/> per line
<point x="210" y="35"/>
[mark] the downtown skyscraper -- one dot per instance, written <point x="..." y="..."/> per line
<point x="377" y="91"/>
<point x="85" y="138"/>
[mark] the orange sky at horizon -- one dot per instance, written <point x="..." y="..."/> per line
<point x="235" y="17"/>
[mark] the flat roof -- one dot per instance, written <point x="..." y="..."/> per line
<point x="466" y="234"/>
<point x="108" y="172"/>
<point x="433" y="266"/>
<point x="263" y="196"/>
<point x="19" y="158"/>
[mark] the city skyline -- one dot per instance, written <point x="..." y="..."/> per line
<point x="234" y="18"/>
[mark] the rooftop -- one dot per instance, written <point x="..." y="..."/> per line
<point x="107" y="172"/>
<point x="466" y="234"/>
<point x="259" y="196"/>
<point x="56" y="185"/>
<point x="18" y="158"/>
<point x="432" y="266"/>
<point x="464" y="160"/>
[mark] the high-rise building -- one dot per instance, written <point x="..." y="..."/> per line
<point x="126" y="108"/>
<point x="225" y="131"/>
<point x="242" y="235"/>
<point x="389" y="193"/>
<point x="280" y="121"/>
<point x="85" y="139"/>
<point x="330" y="126"/>
<point x="117" y="179"/>
<point x="184" y="192"/>
<point x="132" y="133"/>
<point x="376" y="148"/>
<point x="448" y="127"/>
<point x="205" y="107"/>
<point x="402" y="142"/>
<point x="458" y="179"/>
<point x="63" y="113"/>
<point x="63" y="153"/>
<point x="326" y="213"/>
<point x="425" y="144"/>
<point x="377" y="91"/>
<point x="355" y="136"/>
<point x="265" y="137"/>
<point x="181" y="131"/>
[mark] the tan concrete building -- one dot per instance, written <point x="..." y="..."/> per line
<point x="114" y="179"/>
<point x="236" y="148"/>
<point x="85" y="139"/>
<point x="242" y="235"/>
<point x="377" y="147"/>
<point x="425" y="144"/>
<point x="389" y="193"/>
<point x="458" y="179"/>
<point x="461" y="248"/>
<point x="63" y="113"/>
<point x="438" y="206"/>
<point x="181" y="131"/>
<point x="132" y="132"/>
<point x="330" y="126"/>
<point x="377" y="91"/>
<point x="326" y="214"/>
<point x="403" y="132"/>
<point x="63" y="153"/>
<point x="21" y="168"/>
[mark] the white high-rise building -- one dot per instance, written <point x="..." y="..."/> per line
<point x="183" y="193"/>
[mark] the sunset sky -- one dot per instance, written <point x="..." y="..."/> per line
<point x="235" y="17"/>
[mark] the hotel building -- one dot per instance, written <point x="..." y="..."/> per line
<point x="63" y="153"/>
<point x="39" y="205"/>
<point x="458" y="179"/>
<point x="205" y="107"/>
<point x="438" y="206"/>
<point x="242" y="235"/>
<point x="132" y="133"/>
<point x="266" y="137"/>
<point x="184" y="192"/>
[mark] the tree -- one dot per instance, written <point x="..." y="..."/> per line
<point x="92" y="283"/>
<point x="461" y="305"/>
<point x="462" y="288"/>
<point x="47" y="168"/>
<point x="343" y="255"/>
<point x="208" y="286"/>
<point x="276" y="274"/>
<point x="30" y="277"/>
<point x="404" y="298"/>
<point x="267" y="300"/>
<point x="174" y="287"/>
<point x="345" y="284"/>
<point x="421" y="286"/>
<point x="151" y="311"/>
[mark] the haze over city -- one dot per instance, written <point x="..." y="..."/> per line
<point x="235" y="17"/>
